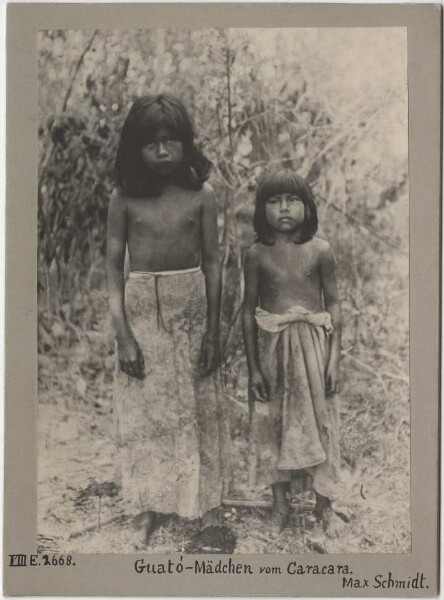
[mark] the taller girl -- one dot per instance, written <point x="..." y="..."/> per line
<point x="171" y="427"/>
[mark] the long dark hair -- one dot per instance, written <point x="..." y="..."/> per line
<point x="146" y="115"/>
<point x="283" y="181"/>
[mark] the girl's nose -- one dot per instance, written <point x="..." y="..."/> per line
<point x="161" y="150"/>
<point x="284" y="205"/>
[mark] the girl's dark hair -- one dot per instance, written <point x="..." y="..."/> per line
<point x="283" y="181"/>
<point x="146" y="115"/>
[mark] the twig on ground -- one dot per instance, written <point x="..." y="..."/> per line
<point x="246" y="503"/>
<point x="92" y="528"/>
<point x="397" y="377"/>
<point x="264" y="538"/>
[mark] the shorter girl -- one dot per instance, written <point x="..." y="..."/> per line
<point x="292" y="333"/>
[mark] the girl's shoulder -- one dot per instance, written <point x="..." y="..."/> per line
<point x="256" y="253"/>
<point x="117" y="204"/>
<point x="206" y="199"/>
<point x="118" y="195"/>
<point x="320" y="243"/>
<point x="321" y="248"/>
<point x="207" y="193"/>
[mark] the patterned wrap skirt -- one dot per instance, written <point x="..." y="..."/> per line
<point x="172" y="428"/>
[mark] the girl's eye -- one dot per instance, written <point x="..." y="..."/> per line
<point x="167" y="142"/>
<point x="294" y="199"/>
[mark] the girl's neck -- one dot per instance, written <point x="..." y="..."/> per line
<point x="170" y="180"/>
<point x="291" y="237"/>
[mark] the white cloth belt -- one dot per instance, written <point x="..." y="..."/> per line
<point x="275" y="323"/>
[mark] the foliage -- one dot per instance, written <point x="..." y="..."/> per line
<point x="258" y="97"/>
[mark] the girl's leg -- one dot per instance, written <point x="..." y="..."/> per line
<point x="333" y="524"/>
<point x="147" y="522"/>
<point x="281" y="507"/>
<point x="300" y="482"/>
<point x="280" y="496"/>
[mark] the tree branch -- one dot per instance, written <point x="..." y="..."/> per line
<point x="369" y="228"/>
<point x="77" y="69"/>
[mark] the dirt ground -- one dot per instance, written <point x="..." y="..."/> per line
<point x="80" y="509"/>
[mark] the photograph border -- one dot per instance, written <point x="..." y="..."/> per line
<point x="114" y="575"/>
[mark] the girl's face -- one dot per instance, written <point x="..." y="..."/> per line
<point x="285" y="212"/>
<point x="162" y="154"/>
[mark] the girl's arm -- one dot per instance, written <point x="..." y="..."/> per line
<point x="212" y="271"/>
<point x="131" y="360"/>
<point x="251" y="297"/>
<point x="330" y="292"/>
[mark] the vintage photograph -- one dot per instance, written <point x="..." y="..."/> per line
<point x="223" y="291"/>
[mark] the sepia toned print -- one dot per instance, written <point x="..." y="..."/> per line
<point x="324" y="103"/>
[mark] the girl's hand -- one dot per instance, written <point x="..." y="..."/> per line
<point x="332" y="378"/>
<point x="209" y="354"/>
<point x="258" y="387"/>
<point x="130" y="358"/>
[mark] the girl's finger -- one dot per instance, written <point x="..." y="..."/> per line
<point x="138" y="373"/>
<point x="140" y="366"/>
<point x="258" y="392"/>
<point x="140" y="358"/>
<point x="206" y="363"/>
<point x="331" y="389"/>
<point x="134" y="366"/>
<point x="262" y="390"/>
<point x="211" y="362"/>
<point x="328" y="386"/>
<point x="255" y="393"/>
<point x="133" y="369"/>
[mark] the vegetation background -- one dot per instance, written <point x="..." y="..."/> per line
<point x="329" y="103"/>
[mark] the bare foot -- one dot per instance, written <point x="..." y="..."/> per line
<point x="211" y="518"/>
<point x="147" y="522"/>
<point x="279" y="517"/>
<point x="334" y="526"/>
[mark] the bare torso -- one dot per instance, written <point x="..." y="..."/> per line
<point x="164" y="233"/>
<point x="289" y="275"/>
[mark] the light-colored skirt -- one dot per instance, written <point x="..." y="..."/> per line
<point x="172" y="427"/>
<point x="301" y="431"/>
